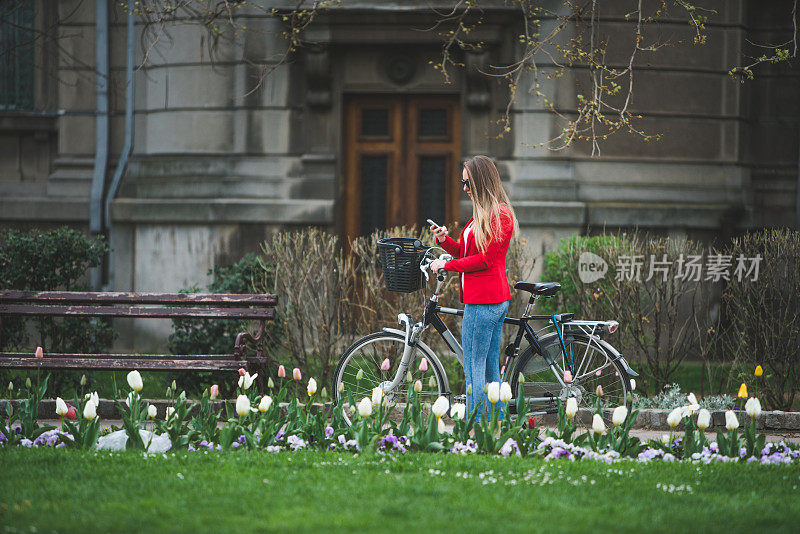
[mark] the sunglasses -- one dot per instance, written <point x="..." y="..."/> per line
<point x="464" y="182"/>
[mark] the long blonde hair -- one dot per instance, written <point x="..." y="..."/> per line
<point x="487" y="197"/>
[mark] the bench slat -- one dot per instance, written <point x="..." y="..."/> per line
<point x="64" y="297"/>
<point x="111" y="364"/>
<point x="138" y="311"/>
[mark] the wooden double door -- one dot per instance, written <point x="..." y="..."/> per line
<point x="402" y="155"/>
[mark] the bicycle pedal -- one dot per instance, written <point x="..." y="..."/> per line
<point x="460" y="398"/>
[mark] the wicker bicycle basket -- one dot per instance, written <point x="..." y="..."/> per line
<point x="400" y="259"/>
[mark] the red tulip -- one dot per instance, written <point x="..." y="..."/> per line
<point x="531" y="422"/>
<point x="71" y="412"/>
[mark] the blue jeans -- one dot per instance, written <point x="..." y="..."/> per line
<point x="480" y="337"/>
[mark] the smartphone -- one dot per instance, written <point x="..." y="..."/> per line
<point x="432" y="223"/>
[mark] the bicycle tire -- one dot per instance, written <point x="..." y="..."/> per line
<point x="392" y="349"/>
<point x="616" y="385"/>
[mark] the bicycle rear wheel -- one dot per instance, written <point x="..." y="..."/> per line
<point x="368" y="354"/>
<point x="598" y="376"/>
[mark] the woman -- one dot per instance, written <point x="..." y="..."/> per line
<point x="480" y="257"/>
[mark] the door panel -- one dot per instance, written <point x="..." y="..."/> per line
<point x="401" y="153"/>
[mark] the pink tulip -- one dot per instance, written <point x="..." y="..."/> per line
<point x="599" y="372"/>
<point x="385" y="365"/>
<point x="423" y="365"/>
<point x="39" y="352"/>
<point x="241" y="371"/>
<point x="567" y="376"/>
<point x="214" y="391"/>
<point x="296" y="374"/>
<point x="599" y="390"/>
<point x="281" y="371"/>
<point x="503" y="370"/>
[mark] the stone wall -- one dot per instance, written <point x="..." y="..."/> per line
<point x="220" y="161"/>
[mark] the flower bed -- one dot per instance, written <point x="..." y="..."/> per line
<point x="259" y="422"/>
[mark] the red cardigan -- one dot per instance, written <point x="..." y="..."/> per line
<point x="485" y="280"/>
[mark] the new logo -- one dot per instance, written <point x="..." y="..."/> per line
<point x="591" y="267"/>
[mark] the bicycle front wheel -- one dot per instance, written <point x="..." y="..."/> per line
<point x="374" y="361"/>
<point x="597" y="376"/>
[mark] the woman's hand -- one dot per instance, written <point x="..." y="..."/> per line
<point x="436" y="265"/>
<point x="440" y="232"/>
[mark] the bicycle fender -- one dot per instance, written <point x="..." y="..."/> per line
<point x="428" y="353"/>
<point x="618" y="357"/>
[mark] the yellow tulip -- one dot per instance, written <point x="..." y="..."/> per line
<point x="759" y="370"/>
<point x="742" y="391"/>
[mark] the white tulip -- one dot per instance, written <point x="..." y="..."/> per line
<point x="572" y="407"/>
<point x="505" y="392"/>
<point x="619" y="415"/>
<point x="340" y="387"/>
<point x="360" y="374"/>
<point x="598" y="426"/>
<point x="135" y="381"/>
<point x="432" y="382"/>
<point x="440" y="407"/>
<point x="753" y="407"/>
<point x="247" y="380"/>
<point x="440" y="427"/>
<point x="270" y="383"/>
<point x="493" y="392"/>
<point x="674" y="417"/>
<point x="170" y="412"/>
<point x="61" y="407"/>
<point x="128" y="399"/>
<point x="633" y="384"/>
<point x="151" y="411"/>
<point x="312" y="386"/>
<point x="691" y="398"/>
<point x="418" y="386"/>
<point x="665" y="439"/>
<point x="731" y="421"/>
<point x="242" y="405"/>
<point x="458" y="411"/>
<point x="377" y="395"/>
<point x="691" y="409"/>
<point x="365" y="407"/>
<point x="95" y="398"/>
<point x="266" y="402"/>
<point x="89" y="410"/>
<point x="703" y="419"/>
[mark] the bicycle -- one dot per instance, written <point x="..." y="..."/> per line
<point x="543" y="362"/>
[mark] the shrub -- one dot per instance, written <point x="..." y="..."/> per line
<point x="657" y="328"/>
<point x="49" y="261"/>
<point x="764" y="315"/>
<point x="216" y="336"/>
<point x="314" y="280"/>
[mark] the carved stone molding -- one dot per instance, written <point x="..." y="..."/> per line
<point x="478" y="93"/>
<point x="318" y="77"/>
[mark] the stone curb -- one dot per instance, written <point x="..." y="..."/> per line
<point x="647" y="418"/>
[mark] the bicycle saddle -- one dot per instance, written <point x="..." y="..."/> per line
<point x="544" y="289"/>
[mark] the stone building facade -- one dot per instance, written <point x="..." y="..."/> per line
<point x="358" y="131"/>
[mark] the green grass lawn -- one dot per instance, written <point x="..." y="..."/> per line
<point x="48" y="490"/>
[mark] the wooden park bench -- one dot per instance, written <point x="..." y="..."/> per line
<point x="141" y="305"/>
